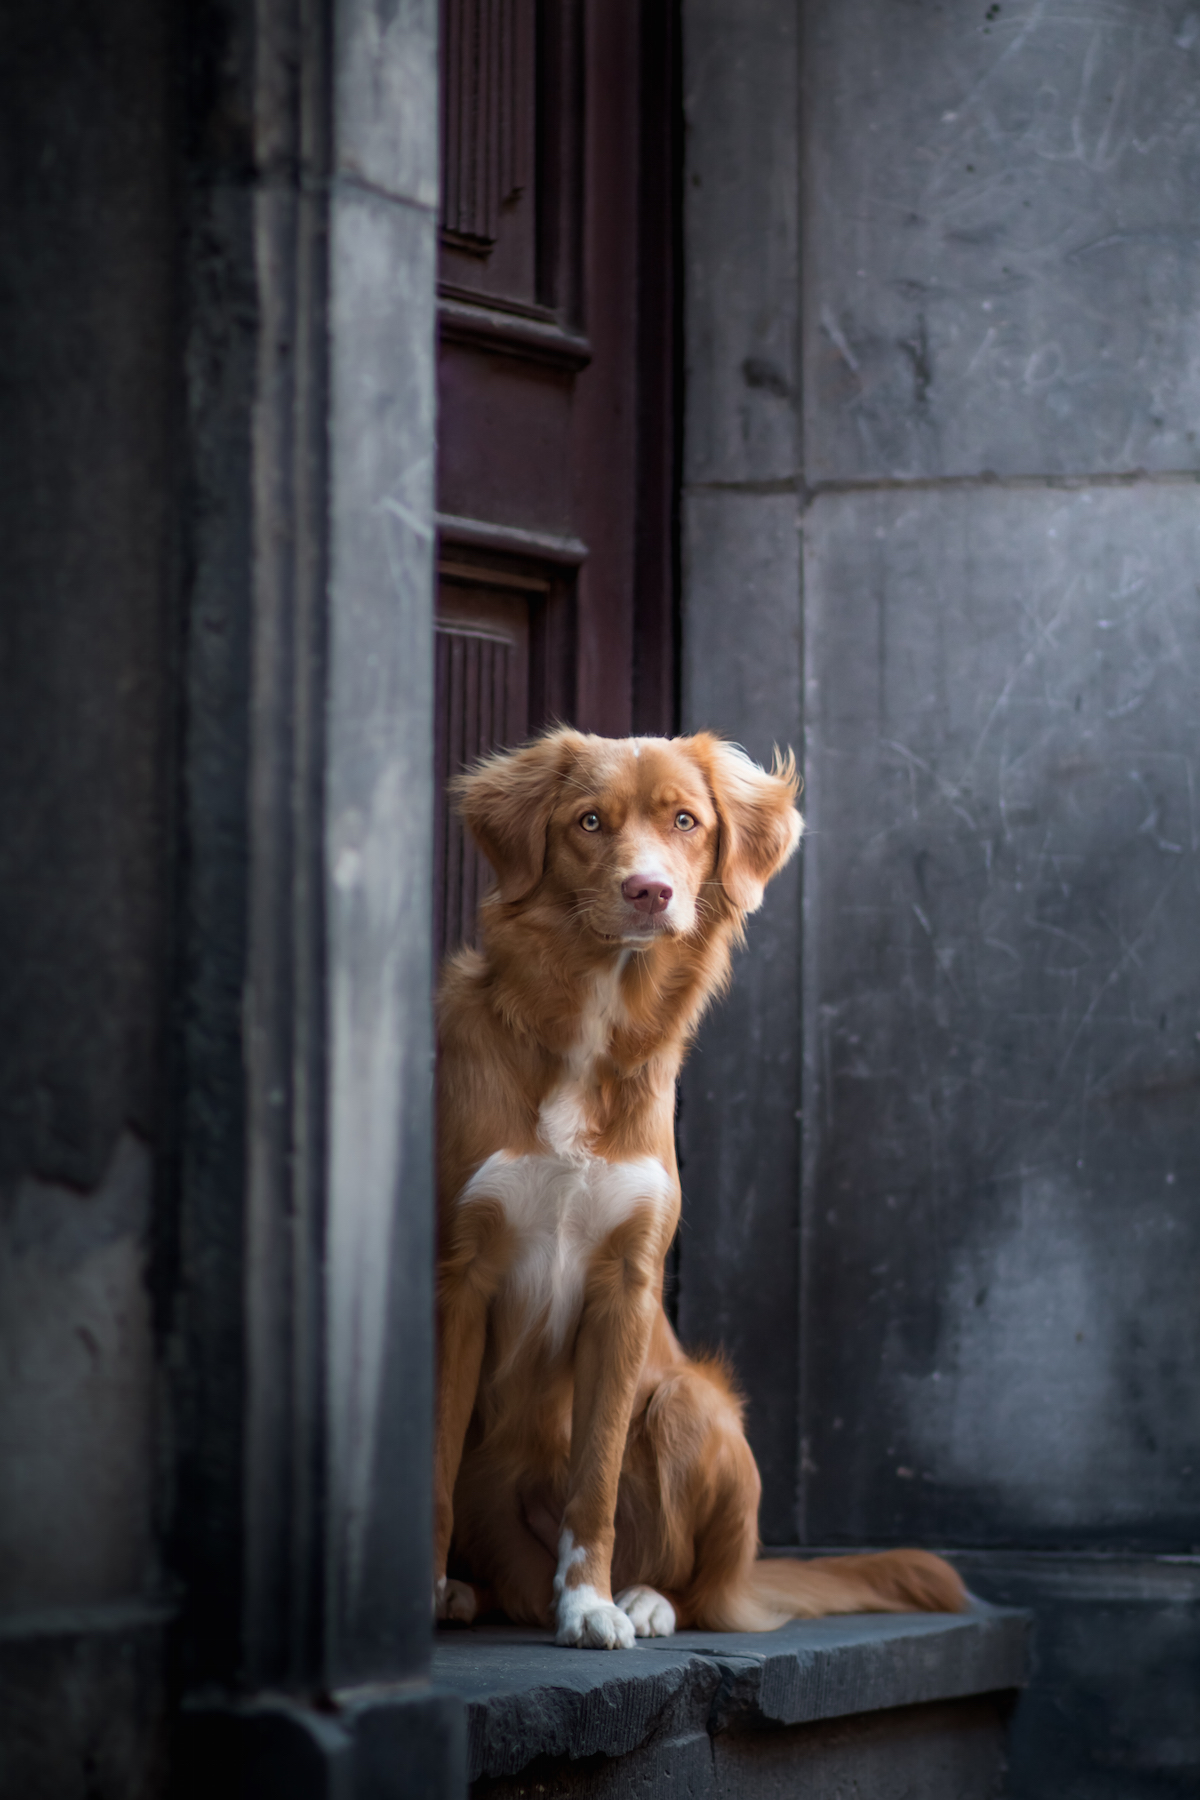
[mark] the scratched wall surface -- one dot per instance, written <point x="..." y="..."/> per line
<point x="1002" y="206"/>
<point x="1001" y="1019"/>
<point x="1000" y="1228"/>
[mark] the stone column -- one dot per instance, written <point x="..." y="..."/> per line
<point x="303" y="1287"/>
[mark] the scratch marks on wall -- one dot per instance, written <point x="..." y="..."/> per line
<point x="1073" y="1358"/>
<point x="1003" y="1049"/>
<point x="1003" y="241"/>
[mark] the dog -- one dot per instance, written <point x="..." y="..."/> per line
<point x="579" y="1449"/>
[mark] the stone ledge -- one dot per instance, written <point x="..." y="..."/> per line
<point x="527" y="1699"/>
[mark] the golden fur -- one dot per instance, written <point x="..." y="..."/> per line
<point x="580" y="1451"/>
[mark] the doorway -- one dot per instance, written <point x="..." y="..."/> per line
<point x="557" y="384"/>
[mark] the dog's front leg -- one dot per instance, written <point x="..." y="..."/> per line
<point x="470" y="1270"/>
<point x="619" y="1305"/>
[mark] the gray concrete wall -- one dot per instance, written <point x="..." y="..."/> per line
<point x="86" y="348"/>
<point x="302" y="1305"/>
<point x="216" y="506"/>
<point x="994" y="463"/>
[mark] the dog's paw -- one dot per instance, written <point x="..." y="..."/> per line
<point x="648" y="1611"/>
<point x="454" y="1602"/>
<point x="587" y="1622"/>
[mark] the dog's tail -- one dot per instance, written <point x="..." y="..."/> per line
<point x="714" y="1515"/>
<point x="776" y="1589"/>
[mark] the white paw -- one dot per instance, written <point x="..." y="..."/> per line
<point x="587" y="1622"/>
<point x="650" y="1614"/>
<point x="454" y="1600"/>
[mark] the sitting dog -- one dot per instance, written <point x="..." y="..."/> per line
<point x="579" y="1449"/>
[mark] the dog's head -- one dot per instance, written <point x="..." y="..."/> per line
<point x="633" y="838"/>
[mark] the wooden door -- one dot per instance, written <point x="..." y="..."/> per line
<point x="556" y="384"/>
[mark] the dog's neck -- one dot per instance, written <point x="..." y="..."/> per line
<point x="603" y="1010"/>
<point x="585" y="1001"/>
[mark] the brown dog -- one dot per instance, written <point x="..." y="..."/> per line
<point x="578" y="1447"/>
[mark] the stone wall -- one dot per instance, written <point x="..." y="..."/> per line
<point x="87" y="357"/>
<point x="971" y="391"/>
<point x="216" y="550"/>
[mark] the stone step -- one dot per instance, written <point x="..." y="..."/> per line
<point x="875" y="1705"/>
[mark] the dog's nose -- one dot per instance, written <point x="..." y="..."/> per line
<point x="647" y="893"/>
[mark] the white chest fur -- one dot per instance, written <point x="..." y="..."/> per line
<point x="561" y="1209"/>
<point x="562" y="1204"/>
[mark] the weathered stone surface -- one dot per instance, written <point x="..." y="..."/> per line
<point x="941" y="1752"/>
<point x="1001" y="217"/>
<point x="526" y="1698"/>
<point x="1116" y="1644"/>
<point x="83" y="1705"/>
<point x="951" y="1751"/>
<point x="741" y="617"/>
<point x="828" y="1668"/>
<point x="1003" y="976"/>
<point x="378" y="850"/>
<point x="86" y="374"/>
<point x="681" y="1767"/>
<point x="741" y="240"/>
<point x="999" y="221"/>
<point x="303" y="1402"/>
<point x="77" y="1386"/>
<point x="385" y="102"/>
<point x="274" y="1748"/>
<point x="408" y="1745"/>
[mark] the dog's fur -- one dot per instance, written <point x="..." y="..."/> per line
<point x="579" y="1449"/>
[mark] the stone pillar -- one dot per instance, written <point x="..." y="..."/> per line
<point x="215" y="878"/>
<point x="303" y="1283"/>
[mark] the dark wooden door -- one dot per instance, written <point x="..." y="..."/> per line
<point x="556" y="384"/>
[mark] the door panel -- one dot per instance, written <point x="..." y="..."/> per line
<point x="555" y="383"/>
<point x="504" y="440"/>
<point x="482" y="703"/>
<point x="489" y="148"/>
<point x="504" y="659"/>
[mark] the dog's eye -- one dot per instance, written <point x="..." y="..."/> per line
<point x="590" y="821"/>
<point x="684" y="821"/>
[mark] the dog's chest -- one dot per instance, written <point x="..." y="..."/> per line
<point x="561" y="1204"/>
<point x="560" y="1210"/>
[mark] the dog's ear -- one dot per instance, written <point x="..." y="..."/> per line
<point x="759" y="824"/>
<point x="506" y="801"/>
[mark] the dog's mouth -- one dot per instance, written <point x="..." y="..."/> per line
<point x="641" y="925"/>
<point x="639" y="928"/>
<point x="636" y="929"/>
